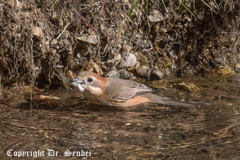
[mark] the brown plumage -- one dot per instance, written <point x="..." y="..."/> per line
<point x="118" y="92"/>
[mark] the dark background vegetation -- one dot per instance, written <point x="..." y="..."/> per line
<point x="36" y="36"/>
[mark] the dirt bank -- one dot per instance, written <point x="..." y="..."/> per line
<point x="37" y="36"/>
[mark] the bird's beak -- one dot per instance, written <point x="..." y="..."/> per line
<point x="78" y="83"/>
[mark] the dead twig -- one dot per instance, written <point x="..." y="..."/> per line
<point x="209" y="7"/>
<point x="102" y="6"/>
<point x="62" y="31"/>
<point x="84" y="19"/>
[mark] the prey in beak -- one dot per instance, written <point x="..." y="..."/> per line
<point x="78" y="83"/>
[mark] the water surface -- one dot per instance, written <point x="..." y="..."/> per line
<point x="144" y="132"/>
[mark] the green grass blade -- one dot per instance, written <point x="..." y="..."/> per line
<point x="133" y="6"/>
<point x="131" y="10"/>
<point x="147" y="14"/>
<point x="146" y="7"/>
<point x="182" y="4"/>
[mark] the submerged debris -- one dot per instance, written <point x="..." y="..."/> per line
<point x="189" y="87"/>
<point x="223" y="70"/>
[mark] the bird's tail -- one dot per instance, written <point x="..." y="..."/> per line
<point x="167" y="101"/>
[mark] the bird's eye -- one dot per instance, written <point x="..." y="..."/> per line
<point x="90" y="80"/>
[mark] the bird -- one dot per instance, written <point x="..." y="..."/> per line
<point x="118" y="92"/>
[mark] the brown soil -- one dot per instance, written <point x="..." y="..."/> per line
<point x="36" y="36"/>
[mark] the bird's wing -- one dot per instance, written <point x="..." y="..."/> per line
<point x="123" y="90"/>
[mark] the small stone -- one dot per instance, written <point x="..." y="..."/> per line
<point x="157" y="73"/>
<point x="121" y="64"/>
<point x="113" y="74"/>
<point x="131" y="60"/>
<point x="124" y="74"/>
<point x="143" y="71"/>
<point x="92" y="39"/>
<point x="37" y="31"/>
<point x="155" y="16"/>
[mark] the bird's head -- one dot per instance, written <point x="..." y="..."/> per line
<point x="90" y="82"/>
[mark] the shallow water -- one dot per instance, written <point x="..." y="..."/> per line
<point x="143" y="132"/>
